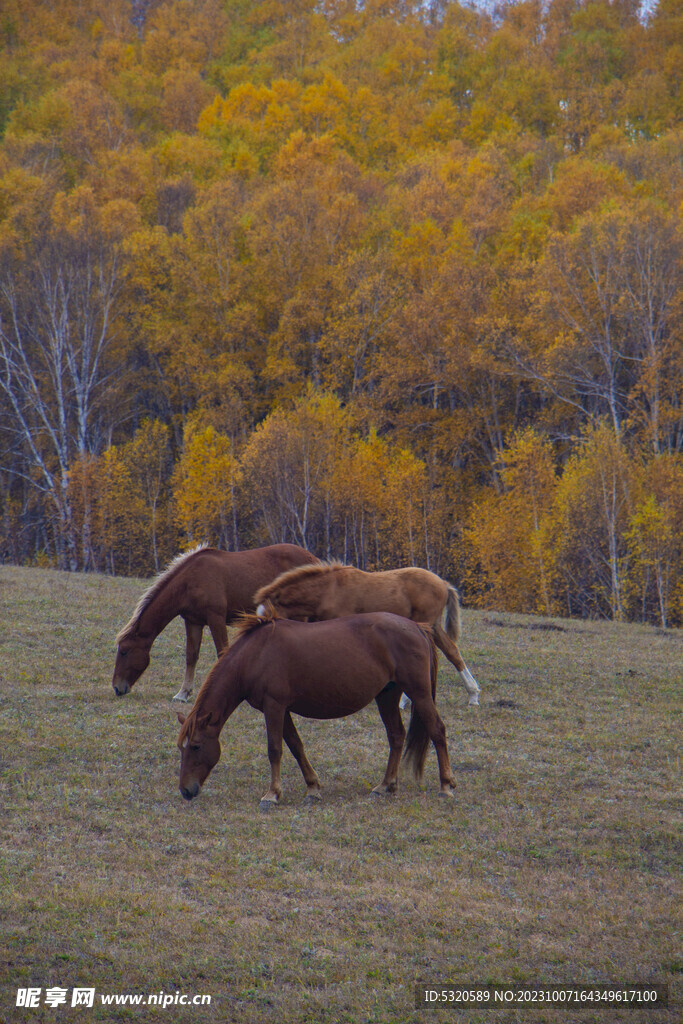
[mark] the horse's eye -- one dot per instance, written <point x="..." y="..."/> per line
<point x="195" y="746"/>
<point x="123" y="653"/>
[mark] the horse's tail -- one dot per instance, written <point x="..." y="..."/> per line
<point x="417" y="740"/>
<point x="452" y="623"/>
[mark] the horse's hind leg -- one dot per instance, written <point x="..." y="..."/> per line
<point x="293" y="741"/>
<point x="193" y="643"/>
<point x="426" y="709"/>
<point x="387" y="703"/>
<point x="444" y="643"/>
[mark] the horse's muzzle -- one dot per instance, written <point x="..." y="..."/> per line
<point x="191" y="791"/>
<point x="120" y="687"/>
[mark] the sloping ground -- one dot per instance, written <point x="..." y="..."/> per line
<point x="557" y="863"/>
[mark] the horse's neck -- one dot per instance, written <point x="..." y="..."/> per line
<point x="161" y="610"/>
<point x="222" y="692"/>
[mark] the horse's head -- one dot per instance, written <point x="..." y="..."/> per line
<point x="200" y="751"/>
<point x="288" y="602"/>
<point x="295" y="594"/>
<point x="132" y="658"/>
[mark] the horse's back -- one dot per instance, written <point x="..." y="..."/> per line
<point x="415" y="593"/>
<point x="231" y="578"/>
<point x="334" y="667"/>
<point x="355" y="641"/>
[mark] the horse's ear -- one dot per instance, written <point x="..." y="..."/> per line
<point x="181" y="718"/>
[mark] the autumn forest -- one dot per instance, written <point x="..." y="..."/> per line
<point x="398" y="282"/>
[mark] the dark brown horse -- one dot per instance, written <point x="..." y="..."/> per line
<point x="329" y="590"/>
<point x="206" y="587"/>
<point x="319" y="670"/>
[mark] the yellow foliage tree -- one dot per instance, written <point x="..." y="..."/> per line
<point x="132" y="528"/>
<point x="204" y="487"/>
<point x="288" y="469"/>
<point x="119" y="516"/>
<point x="655" y="542"/>
<point x="380" y="491"/>
<point x="590" y="516"/>
<point x="507" y="536"/>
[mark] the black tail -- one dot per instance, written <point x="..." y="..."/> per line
<point x="417" y="740"/>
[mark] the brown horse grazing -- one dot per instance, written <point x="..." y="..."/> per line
<point x="330" y="590"/>
<point x="319" y="670"/>
<point x="208" y="588"/>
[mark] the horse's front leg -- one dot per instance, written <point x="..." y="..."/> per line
<point x="219" y="631"/>
<point x="193" y="643"/>
<point x="274" y="715"/>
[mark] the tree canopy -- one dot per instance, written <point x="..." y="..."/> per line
<point x="397" y="281"/>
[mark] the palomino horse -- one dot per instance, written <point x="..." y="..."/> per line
<point x="319" y="670"/>
<point x="208" y="588"/>
<point x="329" y="590"/>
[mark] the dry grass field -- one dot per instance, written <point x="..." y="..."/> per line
<point x="558" y="862"/>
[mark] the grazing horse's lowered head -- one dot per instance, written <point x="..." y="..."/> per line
<point x="200" y="751"/>
<point x="132" y="658"/>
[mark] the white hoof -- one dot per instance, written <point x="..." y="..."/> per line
<point x="182" y="697"/>
<point x="474" y="700"/>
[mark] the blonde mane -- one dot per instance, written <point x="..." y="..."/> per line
<point x="296" y="574"/>
<point x="152" y="591"/>
<point x="247" y="622"/>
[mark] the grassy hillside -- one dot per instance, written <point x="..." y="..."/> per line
<point x="557" y="862"/>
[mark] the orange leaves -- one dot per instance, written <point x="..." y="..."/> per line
<point x="382" y="495"/>
<point x="352" y="250"/>
<point x="310" y="477"/>
<point x="120" y="502"/>
<point x="204" y="483"/>
<point x="252" y="119"/>
<point x="601" y="539"/>
<point x="655" y="542"/>
<point x="507" y="535"/>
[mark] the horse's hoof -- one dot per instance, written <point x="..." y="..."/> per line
<point x="447" y="794"/>
<point x="182" y="697"/>
<point x="473" y="702"/>
<point x="266" y="806"/>
<point x="314" y="796"/>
